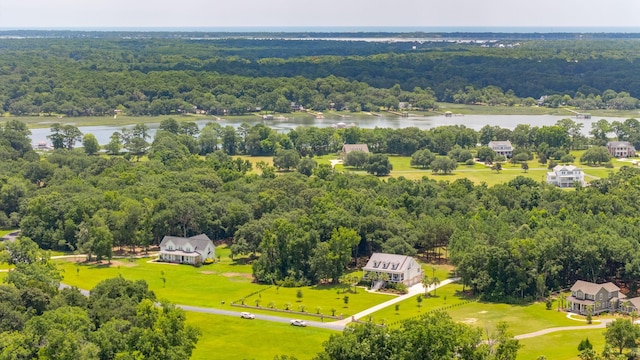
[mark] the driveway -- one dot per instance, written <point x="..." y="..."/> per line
<point x="413" y="291"/>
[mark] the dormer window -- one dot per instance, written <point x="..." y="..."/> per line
<point x="376" y="264"/>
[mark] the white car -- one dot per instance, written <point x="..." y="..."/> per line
<point x="246" y="315"/>
<point x="298" y="322"/>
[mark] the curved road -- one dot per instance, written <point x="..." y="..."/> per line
<point x="602" y="325"/>
<point x="340" y="324"/>
<point x="334" y="325"/>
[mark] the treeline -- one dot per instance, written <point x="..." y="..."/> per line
<point x="120" y="319"/>
<point x="163" y="76"/>
<point x="510" y="241"/>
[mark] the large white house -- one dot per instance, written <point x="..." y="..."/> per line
<point x="565" y="176"/>
<point x="193" y="250"/>
<point x="503" y="148"/>
<point x="399" y="268"/>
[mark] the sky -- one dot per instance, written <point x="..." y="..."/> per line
<point x="549" y="14"/>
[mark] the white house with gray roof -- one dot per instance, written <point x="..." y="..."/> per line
<point x="193" y="250"/>
<point x="503" y="148"/>
<point x="399" y="268"/>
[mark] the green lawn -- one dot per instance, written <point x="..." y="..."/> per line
<point x="562" y="345"/>
<point x="445" y="296"/>
<point x="480" y="173"/>
<point x="211" y="285"/>
<point x="521" y="319"/>
<point x="225" y="337"/>
<point x="325" y="297"/>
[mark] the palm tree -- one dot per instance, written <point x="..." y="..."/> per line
<point x="435" y="282"/>
<point x="426" y="282"/>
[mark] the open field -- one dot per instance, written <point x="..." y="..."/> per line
<point x="521" y="319"/>
<point x="479" y="173"/>
<point x="211" y="285"/>
<point x="446" y="296"/>
<point x="562" y="345"/>
<point x="225" y="337"/>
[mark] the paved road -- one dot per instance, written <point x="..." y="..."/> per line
<point x="603" y="324"/>
<point x="323" y="325"/>
<point x="340" y="324"/>
<point x="327" y="325"/>
<point x="10" y="236"/>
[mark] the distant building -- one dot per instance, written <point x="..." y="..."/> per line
<point x="565" y="176"/>
<point x="503" y="148"/>
<point x="621" y="149"/>
<point x="347" y="148"/>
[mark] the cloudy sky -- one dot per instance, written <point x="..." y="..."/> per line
<point x="313" y="13"/>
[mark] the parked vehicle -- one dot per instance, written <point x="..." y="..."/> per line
<point x="298" y="322"/>
<point x="247" y="315"/>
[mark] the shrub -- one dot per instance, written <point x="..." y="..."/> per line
<point x="469" y="162"/>
<point x="608" y="165"/>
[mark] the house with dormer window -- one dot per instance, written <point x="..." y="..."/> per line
<point x="193" y="250"/>
<point x="597" y="297"/>
<point x="398" y="268"/>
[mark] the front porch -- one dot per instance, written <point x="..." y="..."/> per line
<point x="180" y="257"/>
<point x="580" y="306"/>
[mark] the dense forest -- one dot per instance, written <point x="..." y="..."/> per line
<point x="119" y="319"/>
<point x="510" y="242"/>
<point x="77" y="76"/>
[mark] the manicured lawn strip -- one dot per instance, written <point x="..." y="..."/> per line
<point x="4" y="266"/>
<point x="225" y="337"/>
<point x="521" y="319"/>
<point x="324" y="296"/>
<point x="409" y="308"/>
<point x="562" y="345"/>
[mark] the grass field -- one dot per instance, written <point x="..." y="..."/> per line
<point x="521" y="319"/>
<point x="225" y="337"/>
<point x="562" y="345"/>
<point x="211" y="285"/>
<point x="480" y="173"/>
<point x="446" y="296"/>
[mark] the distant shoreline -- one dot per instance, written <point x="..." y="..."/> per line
<point x="353" y="29"/>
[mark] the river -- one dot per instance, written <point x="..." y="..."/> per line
<point x="476" y="122"/>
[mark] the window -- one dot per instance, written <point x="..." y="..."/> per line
<point x="600" y="296"/>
